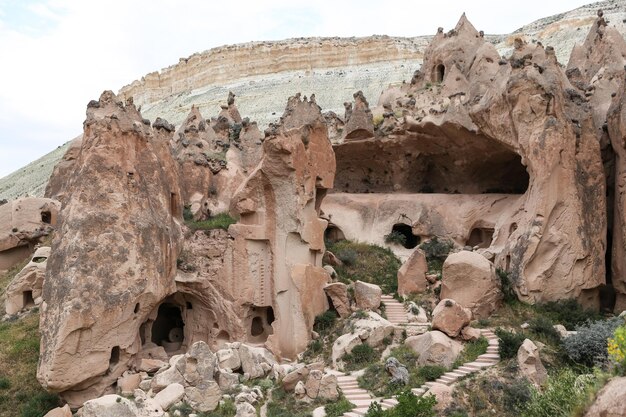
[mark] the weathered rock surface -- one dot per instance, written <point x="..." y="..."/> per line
<point x="64" y="411"/>
<point x="443" y="394"/>
<point x="371" y="330"/>
<point x="412" y="274"/>
<point x="450" y="317"/>
<point x="434" y="348"/>
<point x="530" y="364"/>
<point x="399" y="373"/>
<point x="470" y="279"/>
<point x="25" y="289"/>
<point x="114" y="257"/>
<point x="610" y="400"/>
<point x="23" y="223"/>
<point x="338" y="293"/>
<point x="367" y="295"/>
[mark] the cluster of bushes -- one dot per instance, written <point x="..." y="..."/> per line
<point x="360" y="356"/>
<point x="219" y="221"/>
<point x="409" y="405"/>
<point x="436" y="251"/>
<point x="338" y="408"/>
<point x="395" y="237"/>
<point x="367" y="263"/>
<point x="589" y="345"/>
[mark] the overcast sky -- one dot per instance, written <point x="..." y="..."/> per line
<point x="56" y="55"/>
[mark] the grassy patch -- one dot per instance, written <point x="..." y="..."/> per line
<point x="219" y="221"/>
<point x="367" y="263"/>
<point x="377" y="380"/>
<point x="360" y="356"/>
<point x="509" y="343"/>
<point x="19" y="352"/>
<point x="337" y="408"/>
<point x="471" y="351"/>
<point x="409" y="405"/>
<point x="284" y="404"/>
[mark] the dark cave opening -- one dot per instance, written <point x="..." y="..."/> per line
<point x="168" y="328"/>
<point x="333" y="234"/>
<point x="440" y="72"/>
<point x="481" y="237"/>
<point x="405" y="230"/>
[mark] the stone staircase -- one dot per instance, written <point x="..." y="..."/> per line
<point x="362" y="398"/>
<point x="394" y="310"/>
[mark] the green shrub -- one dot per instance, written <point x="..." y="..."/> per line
<point x="516" y="395"/>
<point x="409" y="405"/>
<point x="337" y="408"/>
<point x="568" y="313"/>
<point x="541" y="325"/>
<point x="509" y="343"/>
<point x="395" y="237"/>
<point x="507" y="286"/>
<point x="471" y="351"/>
<point x="187" y="214"/>
<point x="431" y="372"/>
<point x="361" y="355"/>
<point x="378" y="381"/>
<point x="39" y="404"/>
<point x="219" y="221"/>
<point x="367" y="263"/>
<point x="5" y="383"/>
<point x="325" y="321"/>
<point x="564" y="392"/>
<point x="589" y="345"/>
<point x="437" y="249"/>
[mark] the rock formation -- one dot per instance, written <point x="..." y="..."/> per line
<point x="114" y="257"/>
<point x="23" y="223"/>
<point x="475" y="160"/>
<point x="24" y="290"/>
<point x="126" y="288"/>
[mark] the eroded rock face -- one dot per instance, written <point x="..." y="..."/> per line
<point x="530" y="364"/>
<point x="610" y="400"/>
<point x="412" y="274"/>
<point x="115" y="256"/>
<point x="358" y="119"/>
<point x="25" y="289"/>
<point x="23" y="223"/>
<point x="470" y="279"/>
<point x="497" y="138"/>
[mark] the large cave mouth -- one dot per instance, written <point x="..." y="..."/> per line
<point x="446" y="160"/>
<point x="168" y="328"/>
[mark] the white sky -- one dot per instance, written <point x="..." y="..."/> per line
<point x="56" y="55"/>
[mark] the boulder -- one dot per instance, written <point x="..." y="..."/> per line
<point x="470" y="280"/>
<point x="228" y="359"/>
<point x="343" y="345"/>
<point x="412" y="274"/>
<point x="530" y="364"/>
<point x="371" y="330"/>
<point x="443" y="394"/>
<point x="256" y="362"/>
<point x="227" y="380"/>
<point x="434" y="348"/>
<point x="338" y="294"/>
<point x="312" y="384"/>
<point x="245" y="410"/>
<point x="292" y="378"/>
<point x="399" y="373"/>
<point x="204" y="397"/>
<point x="450" y="317"/>
<point x="127" y="384"/>
<point x="169" y="396"/>
<point x="165" y="377"/>
<point x="198" y="365"/>
<point x="470" y="334"/>
<point x="561" y="330"/>
<point x="109" y="406"/>
<point x="64" y="411"/>
<point x="416" y="314"/>
<point x="610" y="400"/>
<point x="331" y="272"/>
<point x="328" y="388"/>
<point x="367" y="295"/>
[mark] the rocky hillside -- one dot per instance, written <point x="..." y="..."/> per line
<point x="262" y="74"/>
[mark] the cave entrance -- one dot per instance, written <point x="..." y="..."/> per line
<point x="440" y="72"/>
<point x="446" y="160"/>
<point x="402" y="234"/>
<point x="261" y="319"/>
<point x="46" y="217"/>
<point x="333" y="234"/>
<point x="168" y="328"/>
<point x="28" y="300"/>
<point x="481" y="237"/>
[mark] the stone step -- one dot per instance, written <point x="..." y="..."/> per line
<point x="391" y="401"/>
<point x="418" y="391"/>
<point x="356" y="397"/>
<point x="353" y="391"/>
<point x="362" y="403"/>
<point x="488" y="357"/>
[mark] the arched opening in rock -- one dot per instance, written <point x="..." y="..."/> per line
<point x="481" y="237"/>
<point x="333" y="234"/>
<point x="402" y="234"/>
<point x="261" y="319"/>
<point x="114" y="359"/>
<point x="440" y="72"/>
<point x="168" y="328"/>
<point x="28" y="300"/>
<point x="46" y="217"/>
<point x="431" y="160"/>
